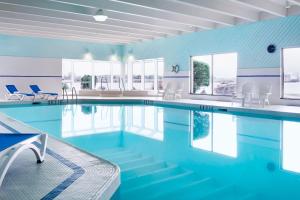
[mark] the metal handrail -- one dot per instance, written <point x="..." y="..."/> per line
<point x="65" y="93"/>
<point x="74" y="91"/>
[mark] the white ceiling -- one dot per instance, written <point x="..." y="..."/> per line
<point x="132" y="20"/>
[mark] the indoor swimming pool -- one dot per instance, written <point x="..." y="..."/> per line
<point x="167" y="152"/>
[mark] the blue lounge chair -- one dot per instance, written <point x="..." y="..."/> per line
<point x="12" y="145"/>
<point x="44" y="95"/>
<point x="13" y="92"/>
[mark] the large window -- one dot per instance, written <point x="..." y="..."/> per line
<point x="214" y="74"/>
<point x="145" y="74"/>
<point x="291" y="73"/>
<point x="83" y="74"/>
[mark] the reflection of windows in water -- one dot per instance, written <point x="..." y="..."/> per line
<point x="214" y="132"/>
<point x="201" y="125"/>
<point x="290" y="146"/>
<point x="93" y="120"/>
<point x="146" y="121"/>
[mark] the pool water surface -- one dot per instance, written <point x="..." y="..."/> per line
<point x="172" y="153"/>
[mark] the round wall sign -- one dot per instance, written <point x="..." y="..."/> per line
<point x="271" y="48"/>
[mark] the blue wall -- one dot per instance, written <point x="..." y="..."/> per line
<point x="53" y="48"/>
<point x="249" y="40"/>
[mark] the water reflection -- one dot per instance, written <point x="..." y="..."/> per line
<point x="214" y="132"/>
<point x="78" y="120"/>
<point x="147" y="121"/>
<point x="291" y="146"/>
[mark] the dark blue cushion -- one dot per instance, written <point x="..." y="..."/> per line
<point x="9" y="139"/>
<point x="11" y="88"/>
<point x="35" y="88"/>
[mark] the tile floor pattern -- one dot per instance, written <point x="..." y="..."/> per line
<point x="67" y="173"/>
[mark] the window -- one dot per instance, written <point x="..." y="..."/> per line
<point x="83" y="74"/>
<point x="102" y="71"/>
<point x="214" y="74"/>
<point x="291" y="73"/>
<point x="145" y="74"/>
<point x="137" y="75"/>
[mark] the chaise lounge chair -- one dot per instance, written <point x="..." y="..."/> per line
<point x="44" y="95"/>
<point x="12" y="144"/>
<point x="13" y="92"/>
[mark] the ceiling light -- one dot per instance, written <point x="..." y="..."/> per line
<point x="99" y="16"/>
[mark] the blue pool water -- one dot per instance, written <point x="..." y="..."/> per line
<point x="172" y="153"/>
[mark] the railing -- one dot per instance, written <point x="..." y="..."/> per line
<point x="74" y="92"/>
<point x="64" y="92"/>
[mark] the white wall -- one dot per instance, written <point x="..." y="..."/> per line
<point x="23" y="71"/>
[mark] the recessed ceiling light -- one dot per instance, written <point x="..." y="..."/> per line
<point x="99" y="16"/>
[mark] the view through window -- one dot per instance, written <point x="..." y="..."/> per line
<point x="291" y="73"/>
<point x="84" y="74"/>
<point x="214" y="74"/>
<point x="145" y="74"/>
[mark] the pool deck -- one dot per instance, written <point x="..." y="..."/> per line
<point x="66" y="173"/>
<point x="275" y="110"/>
<point x="278" y="110"/>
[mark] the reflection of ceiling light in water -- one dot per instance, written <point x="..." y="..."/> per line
<point x="99" y="16"/>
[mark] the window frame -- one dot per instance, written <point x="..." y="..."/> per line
<point x="93" y="65"/>
<point x="211" y="74"/>
<point x="143" y="62"/>
<point x="282" y="73"/>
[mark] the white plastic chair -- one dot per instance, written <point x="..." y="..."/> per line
<point x="179" y="90"/>
<point x="169" y="91"/>
<point x="245" y="93"/>
<point x="264" y="93"/>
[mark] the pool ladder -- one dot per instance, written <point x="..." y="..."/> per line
<point x="65" y="96"/>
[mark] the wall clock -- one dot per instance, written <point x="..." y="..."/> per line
<point x="271" y="48"/>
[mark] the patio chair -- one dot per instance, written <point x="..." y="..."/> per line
<point x="169" y="91"/>
<point x="244" y="94"/>
<point x="264" y="93"/>
<point x="179" y="90"/>
<point x="12" y="92"/>
<point x="44" y="95"/>
<point x="12" y="144"/>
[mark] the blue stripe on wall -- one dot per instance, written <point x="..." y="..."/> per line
<point x="176" y="76"/>
<point x="259" y="76"/>
<point x="29" y="76"/>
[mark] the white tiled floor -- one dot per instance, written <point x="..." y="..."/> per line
<point x="28" y="180"/>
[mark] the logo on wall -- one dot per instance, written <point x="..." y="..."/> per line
<point x="175" y="68"/>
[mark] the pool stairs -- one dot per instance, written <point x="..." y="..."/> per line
<point x="144" y="177"/>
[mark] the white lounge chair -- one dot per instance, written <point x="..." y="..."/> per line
<point x="44" y="95"/>
<point x="14" y="94"/>
<point x="12" y="145"/>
